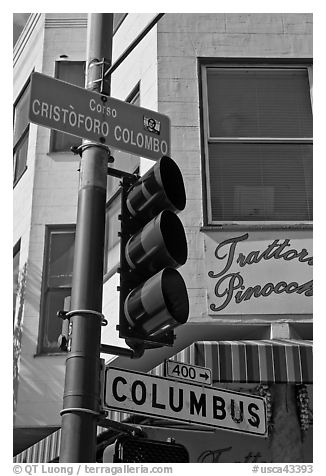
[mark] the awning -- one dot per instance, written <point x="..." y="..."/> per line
<point x="263" y="361"/>
<point x="251" y="361"/>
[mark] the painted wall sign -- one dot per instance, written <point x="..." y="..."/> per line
<point x="252" y="273"/>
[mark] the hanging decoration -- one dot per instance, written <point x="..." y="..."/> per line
<point x="264" y="391"/>
<point x="302" y="400"/>
<point x="303" y="407"/>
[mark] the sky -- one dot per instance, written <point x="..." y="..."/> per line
<point x="19" y="20"/>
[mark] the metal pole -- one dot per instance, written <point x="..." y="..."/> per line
<point x="82" y="380"/>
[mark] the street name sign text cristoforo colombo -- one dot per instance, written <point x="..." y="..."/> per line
<point x="96" y="117"/>
<point x="135" y="392"/>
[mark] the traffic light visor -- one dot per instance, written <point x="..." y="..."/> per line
<point x="160" y="188"/>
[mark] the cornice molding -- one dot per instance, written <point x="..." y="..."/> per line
<point x="66" y="22"/>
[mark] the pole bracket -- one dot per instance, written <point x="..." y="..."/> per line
<point x="83" y="312"/>
<point x="121" y="427"/>
<point x="78" y="150"/>
<point x="103" y="64"/>
<point x="80" y="410"/>
<point x="131" y="178"/>
<point x="135" y="353"/>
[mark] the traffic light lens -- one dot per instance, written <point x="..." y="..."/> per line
<point x="159" y="305"/>
<point x="160" y="244"/>
<point x="172" y="180"/>
<point x="174" y="237"/>
<point x="175" y="295"/>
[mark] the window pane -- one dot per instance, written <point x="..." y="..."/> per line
<point x="259" y="102"/>
<point x="257" y="182"/>
<point x="58" y="281"/>
<point x="112" y="222"/>
<point x="71" y="72"/>
<point x="21" y="115"/>
<point x="20" y="157"/>
<point x="61" y="255"/>
<point x="62" y="142"/>
<point x="54" y="302"/>
<point x="112" y="228"/>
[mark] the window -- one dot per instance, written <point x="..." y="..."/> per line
<point x="15" y="275"/>
<point x="57" y="282"/>
<point x="258" y="143"/>
<point x="21" y="132"/>
<point x="72" y="72"/>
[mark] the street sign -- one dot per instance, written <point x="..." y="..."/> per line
<point x="90" y="115"/>
<point x="192" y="373"/>
<point x="134" y="392"/>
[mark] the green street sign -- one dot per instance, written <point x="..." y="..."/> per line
<point x="96" y="117"/>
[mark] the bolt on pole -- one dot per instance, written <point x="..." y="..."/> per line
<point x="81" y="399"/>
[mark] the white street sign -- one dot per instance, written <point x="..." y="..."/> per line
<point x="191" y="373"/>
<point x="134" y="392"/>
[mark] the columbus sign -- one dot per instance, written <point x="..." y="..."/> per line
<point x="96" y="117"/>
<point x="135" y="392"/>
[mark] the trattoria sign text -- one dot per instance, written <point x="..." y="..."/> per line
<point x="253" y="274"/>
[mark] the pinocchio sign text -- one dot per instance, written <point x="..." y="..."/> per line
<point x="248" y="273"/>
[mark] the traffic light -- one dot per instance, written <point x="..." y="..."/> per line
<point x="153" y="295"/>
<point x="130" y="449"/>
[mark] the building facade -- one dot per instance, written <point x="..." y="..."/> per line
<point x="238" y="91"/>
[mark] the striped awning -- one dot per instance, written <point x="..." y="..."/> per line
<point x="252" y="361"/>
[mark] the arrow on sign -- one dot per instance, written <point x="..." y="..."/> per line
<point x="205" y="376"/>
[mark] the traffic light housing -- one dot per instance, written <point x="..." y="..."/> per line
<point x="131" y="449"/>
<point x="153" y="295"/>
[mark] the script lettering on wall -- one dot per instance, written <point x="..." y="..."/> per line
<point x="254" y="274"/>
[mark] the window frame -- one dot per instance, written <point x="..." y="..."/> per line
<point x="207" y="139"/>
<point x="49" y="229"/>
<point x="23" y="136"/>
